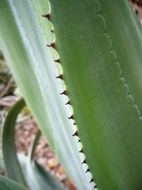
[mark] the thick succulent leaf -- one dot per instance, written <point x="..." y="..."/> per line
<point x="100" y="44"/>
<point x="7" y="184"/>
<point x="37" y="177"/>
<point x="23" y="43"/>
<point x="1" y="163"/>
<point x="33" y="145"/>
<point x="2" y="166"/>
<point x="8" y="143"/>
<point x="1" y="159"/>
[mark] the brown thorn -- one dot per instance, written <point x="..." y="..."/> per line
<point x="84" y="161"/>
<point x="81" y="150"/>
<point x="71" y="117"/>
<point x="74" y="123"/>
<point x="91" y="180"/>
<point x="47" y="16"/>
<point x="78" y="140"/>
<point x="75" y="134"/>
<point x="87" y="170"/>
<point x="64" y="92"/>
<point x="95" y="186"/>
<point x="60" y="77"/>
<point x="52" y="30"/>
<point x="51" y="45"/>
<point x="57" y="60"/>
<point x="68" y="103"/>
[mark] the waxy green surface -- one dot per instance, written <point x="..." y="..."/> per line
<point x="24" y="34"/>
<point x="100" y="48"/>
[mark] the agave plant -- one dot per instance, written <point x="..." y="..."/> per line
<point x="78" y="66"/>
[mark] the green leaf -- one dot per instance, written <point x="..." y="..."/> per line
<point x="2" y="166"/>
<point x="100" y="44"/>
<point x="8" y="143"/>
<point x="7" y="184"/>
<point x="33" y="145"/>
<point x="37" y="177"/>
<point x="23" y="42"/>
<point x="1" y="159"/>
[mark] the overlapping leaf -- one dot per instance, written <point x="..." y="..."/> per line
<point x="8" y="144"/>
<point x="23" y="42"/>
<point x="7" y="184"/>
<point x="100" y="45"/>
<point x="27" y="171"/>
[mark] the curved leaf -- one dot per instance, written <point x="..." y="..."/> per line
<point x="23" y="43"/>
<point x="37" y="177"/>
<point x="8" y="143"/>
<point x="33" y="145"/>
<point x="100" y="43"/>
<point x="1" y="159"/>
<point x="7" y="184"/>
<point x="2" y="166"/>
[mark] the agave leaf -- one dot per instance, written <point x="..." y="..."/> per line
<point x="1" y="159"/>
<point x="23" y="43"/>
<point x="8" y="143"/>
<point x="2" y="166"/>
<point x="7" y="184"/>
<point x="37" y="177"/>
<point x="33" y="145"/>
<point x="100" y="43"/>
<point x="32" y="173"/>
